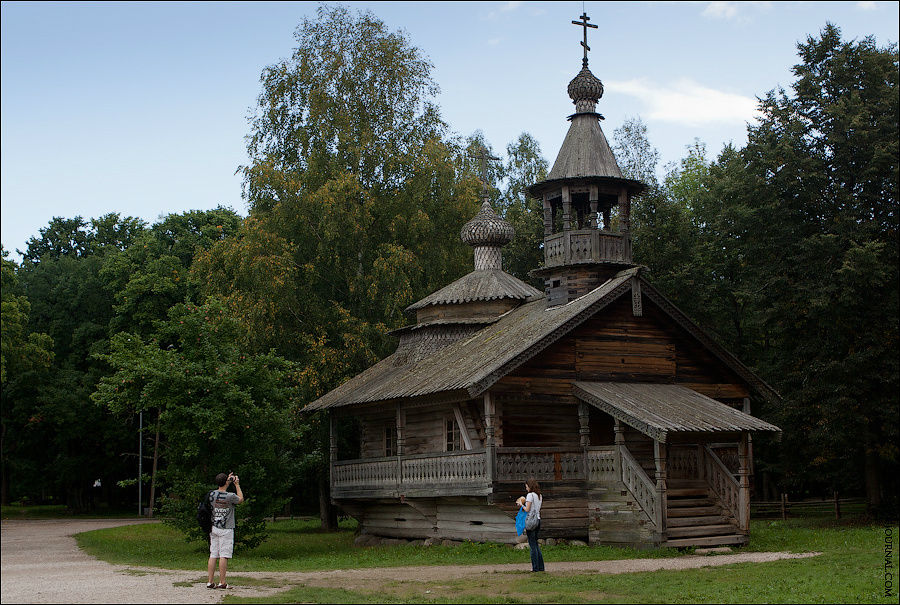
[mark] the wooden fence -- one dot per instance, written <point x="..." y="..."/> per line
<point x="825" y="507"/>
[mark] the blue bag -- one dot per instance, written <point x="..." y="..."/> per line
<point x="520" y="521"/>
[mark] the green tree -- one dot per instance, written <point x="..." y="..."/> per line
<point x="356" y="199"/>
<point x="662" y="225"/>
<point x="72" y="442"/>
<point x="220" y="408"/>
<point x="823" y="174"/>
<point x="145" y="279"/>
<point x="25" y="358"/>
<point x="524" y="165"/>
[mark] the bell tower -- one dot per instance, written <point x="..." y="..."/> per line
<point x="587" y="201"/>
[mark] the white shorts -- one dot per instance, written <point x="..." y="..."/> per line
<point x="221" y="543"/>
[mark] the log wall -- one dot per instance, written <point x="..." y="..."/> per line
<point x="459" y="518"/>
<point x="424" y="431"/>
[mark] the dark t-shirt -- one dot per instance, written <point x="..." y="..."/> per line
<point x="223" y="504"/>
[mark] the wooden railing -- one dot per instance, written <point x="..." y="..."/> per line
<point x="396" y="474"/>
<point x="459" y="467"/>
<point x="368" y="474"/>
<point x="640" y="486"/>
<point x="601" y="464"/>
<point x="544" y="464"/>
<point x="728" y="454"/>
<point x="586" y="245"/>
<point x="684" y="462"/>
<point x="721" y="482"/>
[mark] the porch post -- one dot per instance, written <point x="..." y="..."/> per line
<point x="744" y="479"/>
<point x="659" y="456"/>
<point x="401" y="441"/>
<point x="332" y="448"/>
<point x="620" y="443"/>
<point x="584" y="431"/>
<point x="751" y="465"/>
<point x="490" y="445"/>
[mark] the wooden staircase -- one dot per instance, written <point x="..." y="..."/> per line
<point x="694" y="517"/>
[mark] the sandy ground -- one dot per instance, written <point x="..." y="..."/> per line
<point x="41" y="563"/>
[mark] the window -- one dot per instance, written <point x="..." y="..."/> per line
<point x="390" y="439"/>
<point x="453" y="438"/>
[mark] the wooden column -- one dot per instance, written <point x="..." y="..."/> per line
<point x="490" y="444"/>
<point x="584" y="431"/>
<point x="659" y="456"/>
<point x="548" y="216"/>
<point x="401" y="441"/>
<point x="744" y="482"/>
<point x="620" y="443"/>
<point x="332" y="447"/>
<point x="401" y="429"/>
<point x="567" y="209"/>
<point x="594" y="195"/>
<point x="749" y="439"/>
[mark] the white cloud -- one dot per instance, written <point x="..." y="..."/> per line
<point x="866" y="6"/>
<point x="729" y="11"/>
<point x="687" y="102"/>
<point x="720" y="10"/>
<point x="504" y="7"/>
<point x="494" y="41"/>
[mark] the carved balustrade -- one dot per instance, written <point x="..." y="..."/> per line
<point x="721" y="482"/>
<point x="455" y="467"/>
<point x="586" y="245"/>
<point x="515" y="464"/>
<point x="601" y="464"/>
<point x="639" y="484"/>
<point x="684" y="462"/>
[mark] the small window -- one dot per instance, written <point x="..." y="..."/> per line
<point x="390" y="439"/>
<point x="453" y="438"/>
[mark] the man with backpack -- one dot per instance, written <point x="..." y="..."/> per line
<point x="221" y="535"/>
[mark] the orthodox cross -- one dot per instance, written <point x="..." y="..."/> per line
<point x="483" y="156"/>
<point x="584" y="23"/>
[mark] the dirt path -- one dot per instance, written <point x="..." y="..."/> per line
<point x="41" y="563"/>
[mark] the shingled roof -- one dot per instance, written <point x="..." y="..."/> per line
<point x="470" y="366"/>
<point x="659" y="409"/>
<point x="484" y="284"/>
<point x="585" y="152"/>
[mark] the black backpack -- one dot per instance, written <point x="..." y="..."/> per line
<point x="204" y="514"/>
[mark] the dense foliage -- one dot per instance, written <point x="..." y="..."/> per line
<point x="219" y="328"/>
<point x="788" y="250"/>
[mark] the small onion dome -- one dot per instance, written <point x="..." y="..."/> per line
<point x="585" y="87"/>
<point x="487" y="229"/>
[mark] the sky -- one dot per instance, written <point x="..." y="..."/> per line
<point x="142" y="108"/>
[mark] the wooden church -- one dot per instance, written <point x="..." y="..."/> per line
<point x="635" y="421"/>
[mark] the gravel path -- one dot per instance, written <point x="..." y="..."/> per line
<point x="41" y="563"/>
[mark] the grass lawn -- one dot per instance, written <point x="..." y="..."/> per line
<point x="850" y="570"/>
<point x="59" y="511"/>
<point x="300" y="546"/>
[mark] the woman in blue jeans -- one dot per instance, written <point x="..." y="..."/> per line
<point x="533" y="500"/>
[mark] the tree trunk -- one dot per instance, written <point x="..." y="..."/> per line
<point x="153" y="472"/>
<point x="327" y="511"/>
<point x="873" y="480"/>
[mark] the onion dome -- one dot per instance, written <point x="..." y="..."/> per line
<point x="585" y="90"/>
<point x="487" y="229"/>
